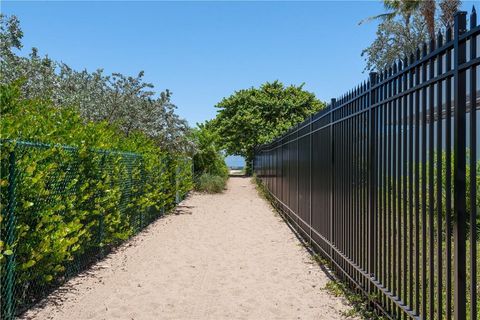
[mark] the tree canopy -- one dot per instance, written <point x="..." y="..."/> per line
<point x="404" y="27"/>
<point x="254" y="116"/>
<point x="127" y="102"/>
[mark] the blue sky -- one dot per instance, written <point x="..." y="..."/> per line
<point x="203" y="51"/>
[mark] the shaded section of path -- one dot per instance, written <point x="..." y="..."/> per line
<point x="224" y="256"/>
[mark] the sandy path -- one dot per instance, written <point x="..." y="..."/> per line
<point x="226" y="256"/>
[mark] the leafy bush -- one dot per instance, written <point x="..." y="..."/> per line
<point x="77" y="192"/>
<point x="208" y="158"/>
<point x="210" y="183"/>
<point x="208" y="162"/>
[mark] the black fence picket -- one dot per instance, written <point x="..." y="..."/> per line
<point x="385" y="181"/>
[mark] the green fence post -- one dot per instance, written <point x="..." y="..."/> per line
<point x="177" y="194"/>
<point x="101" y="217"/>
<point x="192" y="172"/>
<point x="144" y="182"/>
<point x="8" y="299"/>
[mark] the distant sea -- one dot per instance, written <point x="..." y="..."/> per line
<point x="235" y="161"/>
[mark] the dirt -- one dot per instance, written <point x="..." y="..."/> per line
<point x="222" y="256"/>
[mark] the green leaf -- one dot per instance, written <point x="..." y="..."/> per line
<point x="30" y="169"/>
<point x="27" y="204"/>
<point x="28" y="264"/>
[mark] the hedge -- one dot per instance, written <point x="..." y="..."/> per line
<point x="72" y="194"/>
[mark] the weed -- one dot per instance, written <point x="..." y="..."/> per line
<point x="210" y="183"/>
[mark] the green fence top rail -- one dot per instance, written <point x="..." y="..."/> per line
<point x="38" y="144"/>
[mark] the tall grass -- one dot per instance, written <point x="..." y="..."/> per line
<point x="211" y="183"/>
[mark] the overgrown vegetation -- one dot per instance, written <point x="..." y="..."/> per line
<point x="210" y="169"/>
<point x="210" y="183"/>
<point x="358" y="302"/>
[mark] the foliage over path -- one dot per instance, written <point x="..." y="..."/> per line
<point x="254" y="116"/>
<point x="224" y="256"/>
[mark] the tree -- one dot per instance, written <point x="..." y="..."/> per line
<point x="251" y="117"/>
<point x="448" y="8"/>
<point x="428" y="8"/>
<point x="395" y="8"/>
<point x="125" y="101"/>
<point x="395" y="39"/>
<point x="404" y="27"/>
<point x="10" y="35"/>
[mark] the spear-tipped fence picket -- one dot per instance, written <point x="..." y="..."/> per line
<point x="385" y="181"/>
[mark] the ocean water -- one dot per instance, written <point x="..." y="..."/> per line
<point x="235" y="161"/>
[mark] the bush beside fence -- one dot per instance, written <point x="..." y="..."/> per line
<point x="64" y="207"/>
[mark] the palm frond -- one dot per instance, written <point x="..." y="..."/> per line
<point x="383" y="16"/>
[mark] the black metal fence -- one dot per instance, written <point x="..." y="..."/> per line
<point x="385" y="181"/>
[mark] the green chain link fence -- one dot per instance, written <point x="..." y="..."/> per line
<point x="63" y="208"/>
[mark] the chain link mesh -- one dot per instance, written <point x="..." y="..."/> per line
<point x="63" y="208"/>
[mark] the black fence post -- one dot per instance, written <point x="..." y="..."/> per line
<point x="310" y="159"/>
<point x="253" y="162"/>
<point x="371" y="179"/>
<point x="459" y="207"/>
<point x="473" y="173"/>
<point x="332" y="166"/>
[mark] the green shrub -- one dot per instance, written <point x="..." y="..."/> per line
<point x="80" y="187"/>
<point x="210" y="169"/>
<point x="208" y="159"/>
<point x="210" y="183"/>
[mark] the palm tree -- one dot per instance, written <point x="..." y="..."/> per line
<point x="448" y="9"/>
<point x="427" y="8"/>
<point x="404" y="8"/>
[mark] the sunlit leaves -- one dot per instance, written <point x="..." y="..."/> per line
<point x="208" y="158"/>
<point x="64" y="190"/>
<point x="254" y="116"/>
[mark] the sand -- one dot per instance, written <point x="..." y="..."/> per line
<point x="223" y="256"/>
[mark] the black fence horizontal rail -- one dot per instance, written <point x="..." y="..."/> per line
<point x="385" y="180"/>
